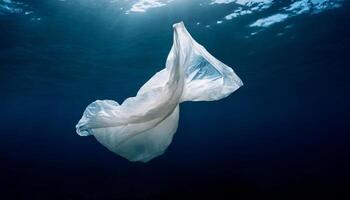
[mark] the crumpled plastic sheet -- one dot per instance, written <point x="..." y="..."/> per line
<point x="142" y="127"/>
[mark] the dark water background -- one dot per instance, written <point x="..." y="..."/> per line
<point x="283" y="134"/>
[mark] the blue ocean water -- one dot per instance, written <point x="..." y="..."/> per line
<point x="283" y="134"/>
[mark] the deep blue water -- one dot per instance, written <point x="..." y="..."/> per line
<point x="283" y="134"/>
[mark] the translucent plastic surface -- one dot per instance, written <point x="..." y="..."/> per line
<point x="142" y="127"/>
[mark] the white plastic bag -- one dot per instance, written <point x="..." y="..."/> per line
<point x="142" y="127"/>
